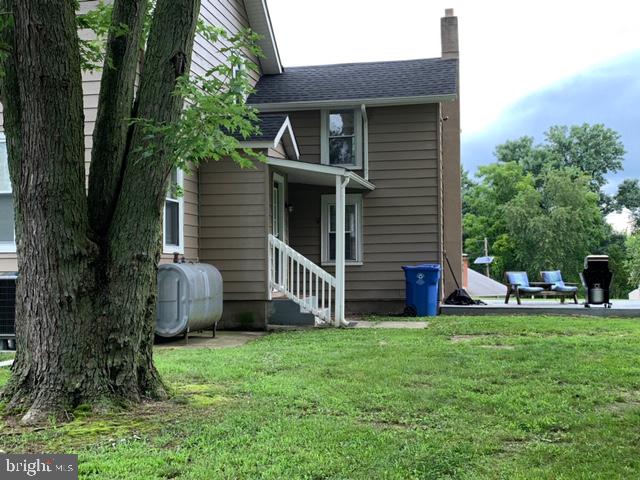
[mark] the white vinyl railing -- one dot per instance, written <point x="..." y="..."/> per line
<point x="301" y="280"/>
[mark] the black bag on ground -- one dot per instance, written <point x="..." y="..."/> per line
<point x="460" y="297"/>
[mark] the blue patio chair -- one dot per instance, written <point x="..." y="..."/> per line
<point x="518" y="283"/>
<point x="555" y="283"/>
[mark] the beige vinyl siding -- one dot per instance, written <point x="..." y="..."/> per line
<point x="401" y="219"/>
<point x="8" y="262"/>
<point x="306" y="128"/>
<point x="278" y="152"/>
<point x="230" y="15"/>
<point x="234" y="220"/>
<point x="402" y="223"/>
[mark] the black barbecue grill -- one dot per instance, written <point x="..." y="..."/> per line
<point x="596" y="278"/>
<point x="7" y="309"/>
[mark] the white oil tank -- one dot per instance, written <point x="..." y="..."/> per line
<point x="189" y="298"/>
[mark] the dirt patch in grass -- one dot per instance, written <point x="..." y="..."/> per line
<point x="513" y="447"/>
<point x="468" y="338"/>
<point x="625" y="402"/>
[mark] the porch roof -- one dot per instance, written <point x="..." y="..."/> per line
<point x="315" y="174"/>
<point x="274" y="128"/>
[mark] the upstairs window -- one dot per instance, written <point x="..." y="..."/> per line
<point x="7" y="227"/>
<point x="174" y="214"/>
<point x="341" y="143"/>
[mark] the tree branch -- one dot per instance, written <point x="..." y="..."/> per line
<point x="10" y="90"/>
<point x="114" y="109"/>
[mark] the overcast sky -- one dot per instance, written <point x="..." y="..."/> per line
<point x="509" y="49"/>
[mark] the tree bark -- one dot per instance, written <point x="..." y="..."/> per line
<point x="115" y="109"/>
<point x="54" y="305"/>
<point x="135" y="245"/>
<point x="86" y="289"/>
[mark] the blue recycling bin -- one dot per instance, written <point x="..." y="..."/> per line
<point x="422" y="284"/>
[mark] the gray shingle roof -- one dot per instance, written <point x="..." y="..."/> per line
<point x="359" y="81"/>
<point x="270" y="124"/>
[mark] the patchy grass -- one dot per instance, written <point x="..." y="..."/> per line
<point x="6" y="356"/>
<point x="516" y="398"/>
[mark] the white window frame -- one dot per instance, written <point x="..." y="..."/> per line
<point x="324" y="137"/>
<point x="279" y="207"/>
<point x="7" y="247"/>
<point x="327" y="201"/>
<point x="168" y="248"/>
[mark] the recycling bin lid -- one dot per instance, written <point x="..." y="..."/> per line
<point x="424" y="266"/>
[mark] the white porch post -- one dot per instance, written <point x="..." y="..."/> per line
<point x="341" y="188"/>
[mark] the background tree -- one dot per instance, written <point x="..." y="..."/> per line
<point x="628" y="196"/>
<point x="633" y="260"/>
<point x="593" y="149"/>
<point x="87" y="260"/>
<point x="485" y="206"/>
<point x="541" y="206"/>
<point x="555" y="227"/>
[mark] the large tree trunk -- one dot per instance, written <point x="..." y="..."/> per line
<point x="86" y="290"/>
<point x="54" y="304"/>
<point x="134" y="241"/>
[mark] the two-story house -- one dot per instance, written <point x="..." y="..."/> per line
<point x="362" y="176"/>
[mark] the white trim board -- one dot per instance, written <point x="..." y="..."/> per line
<point x="350" y="199"/>
<point x="291" y="146"/>
<point x="321" y="170"/>
<point x="260" y="21"/>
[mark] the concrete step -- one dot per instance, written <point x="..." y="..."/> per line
<point x="285" y="312"/>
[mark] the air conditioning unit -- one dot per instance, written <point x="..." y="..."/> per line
<point x="7" y="310"/>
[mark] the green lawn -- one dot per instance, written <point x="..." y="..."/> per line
<point x="467" y="398"/>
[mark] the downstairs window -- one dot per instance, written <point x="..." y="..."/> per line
<point x="352" y="229"/>
<point x="173" y="231"/>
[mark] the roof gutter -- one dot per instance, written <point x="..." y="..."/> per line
<point x="355" y="102"/>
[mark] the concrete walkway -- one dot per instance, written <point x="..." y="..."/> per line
<point x="224" y="339"/>
<point x="6" y="363"/>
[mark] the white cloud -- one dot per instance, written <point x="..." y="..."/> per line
<point x="621" y="222"/>
<point x="508" y="49"/>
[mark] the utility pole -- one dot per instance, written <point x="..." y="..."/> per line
<point x="486" y="254"/>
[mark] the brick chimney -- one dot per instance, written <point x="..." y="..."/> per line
<point x="450" y="160"/>
<point x="449" y="34"/>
